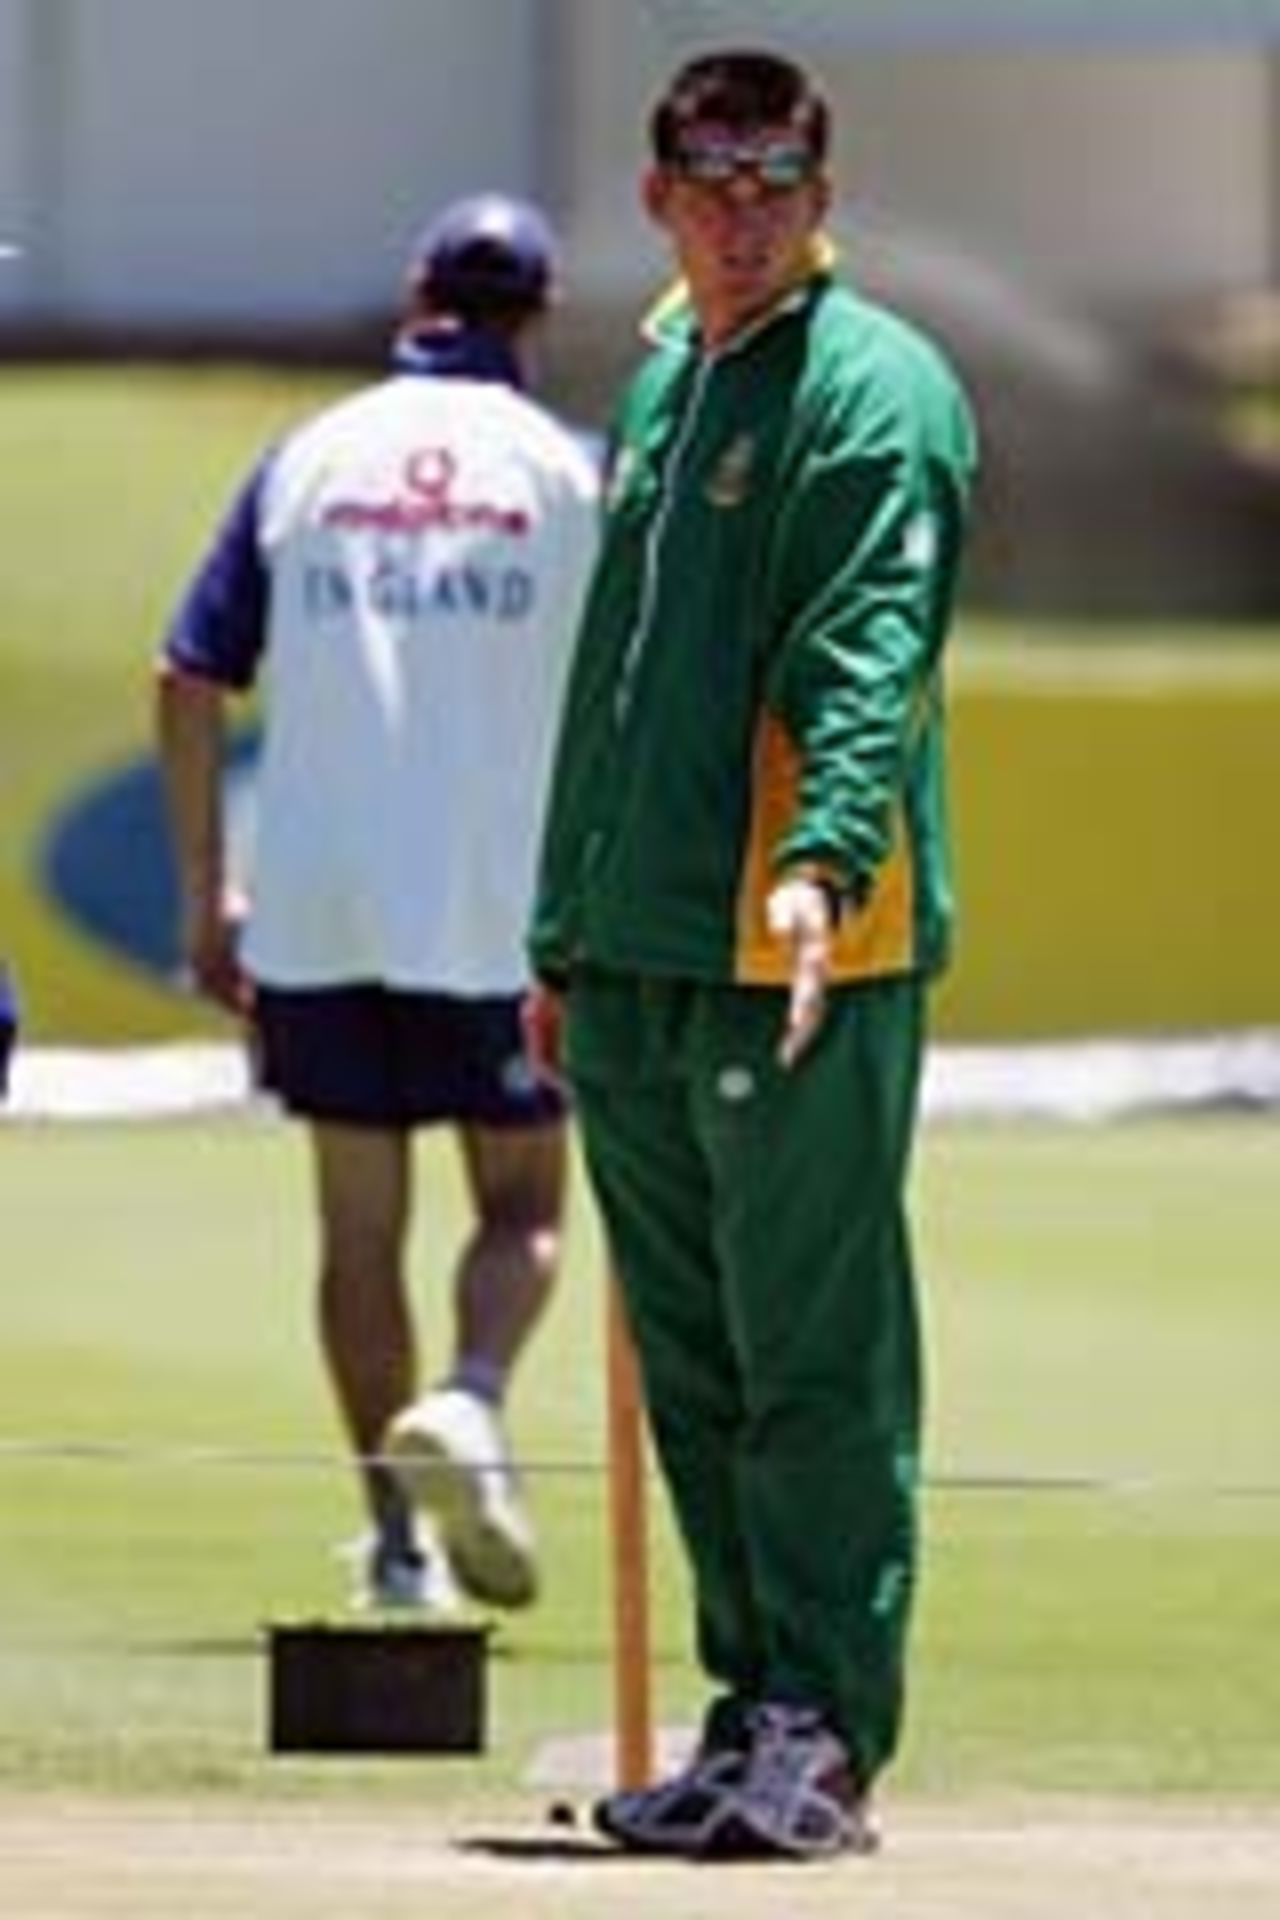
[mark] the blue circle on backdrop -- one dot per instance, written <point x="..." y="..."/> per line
<point x="107" y="864"/>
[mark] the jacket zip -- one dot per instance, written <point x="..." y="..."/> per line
<point x="639" y="638"/>
<point x="649" y="587"/>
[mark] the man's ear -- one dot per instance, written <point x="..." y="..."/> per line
<point x="655" y="191"/>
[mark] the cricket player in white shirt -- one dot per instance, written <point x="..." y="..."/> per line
<point x="403" y="574"/>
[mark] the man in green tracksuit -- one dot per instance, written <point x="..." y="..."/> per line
<point x="744" y="889"/>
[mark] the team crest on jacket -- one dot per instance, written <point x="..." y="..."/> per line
<point x="730" y="478"/>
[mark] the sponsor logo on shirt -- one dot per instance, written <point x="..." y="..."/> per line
<point x="429" y="499"/>
<point x="395" y="591"/>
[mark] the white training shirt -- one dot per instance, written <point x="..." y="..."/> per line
<point x="426" y="545"/>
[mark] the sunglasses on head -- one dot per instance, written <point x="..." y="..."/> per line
<point x="775" y="164"/>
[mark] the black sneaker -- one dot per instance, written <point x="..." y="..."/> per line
<point x="798" y="1798"/>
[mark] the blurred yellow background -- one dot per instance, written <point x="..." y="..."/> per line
<point x="1116" y="815"/>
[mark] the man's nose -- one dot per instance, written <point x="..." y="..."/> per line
<point x="744" y="186"/>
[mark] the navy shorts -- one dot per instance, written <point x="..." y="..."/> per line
<point x="379" y="1056"/>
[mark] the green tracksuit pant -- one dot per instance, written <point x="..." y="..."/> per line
<point x="757" y="1222"/>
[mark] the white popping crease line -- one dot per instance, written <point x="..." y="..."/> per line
<point x="1080" y="1080"/>
<point x="54" y="1450"/>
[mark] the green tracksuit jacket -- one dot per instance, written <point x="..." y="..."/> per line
<point x="756" y="680"/>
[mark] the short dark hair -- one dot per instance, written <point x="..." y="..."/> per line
<point x="742" y="90"/>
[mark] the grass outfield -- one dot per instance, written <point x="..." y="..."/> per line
<point x="1102" y="1307"/>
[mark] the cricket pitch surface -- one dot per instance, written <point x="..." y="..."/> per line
<point x="999" y="1858"/>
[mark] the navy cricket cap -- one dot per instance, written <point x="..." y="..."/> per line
<point x="486" y="251"/>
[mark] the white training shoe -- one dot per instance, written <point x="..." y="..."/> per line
<point x="396" y="1579"/>
<point x="449" y="1455"/>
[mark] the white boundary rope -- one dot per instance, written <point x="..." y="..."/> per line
<point x="1083" y="1080"/>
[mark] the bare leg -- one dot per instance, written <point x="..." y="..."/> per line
<point x="363" y="1185"/>
<point x="450" y="1451"/>
<point x="507" y="1269"/>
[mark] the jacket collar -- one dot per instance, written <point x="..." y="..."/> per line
<point x="671" y="321"/>
<point x="457" y="353"/>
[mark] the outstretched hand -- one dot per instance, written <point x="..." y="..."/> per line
<point x="799" y="915"/>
